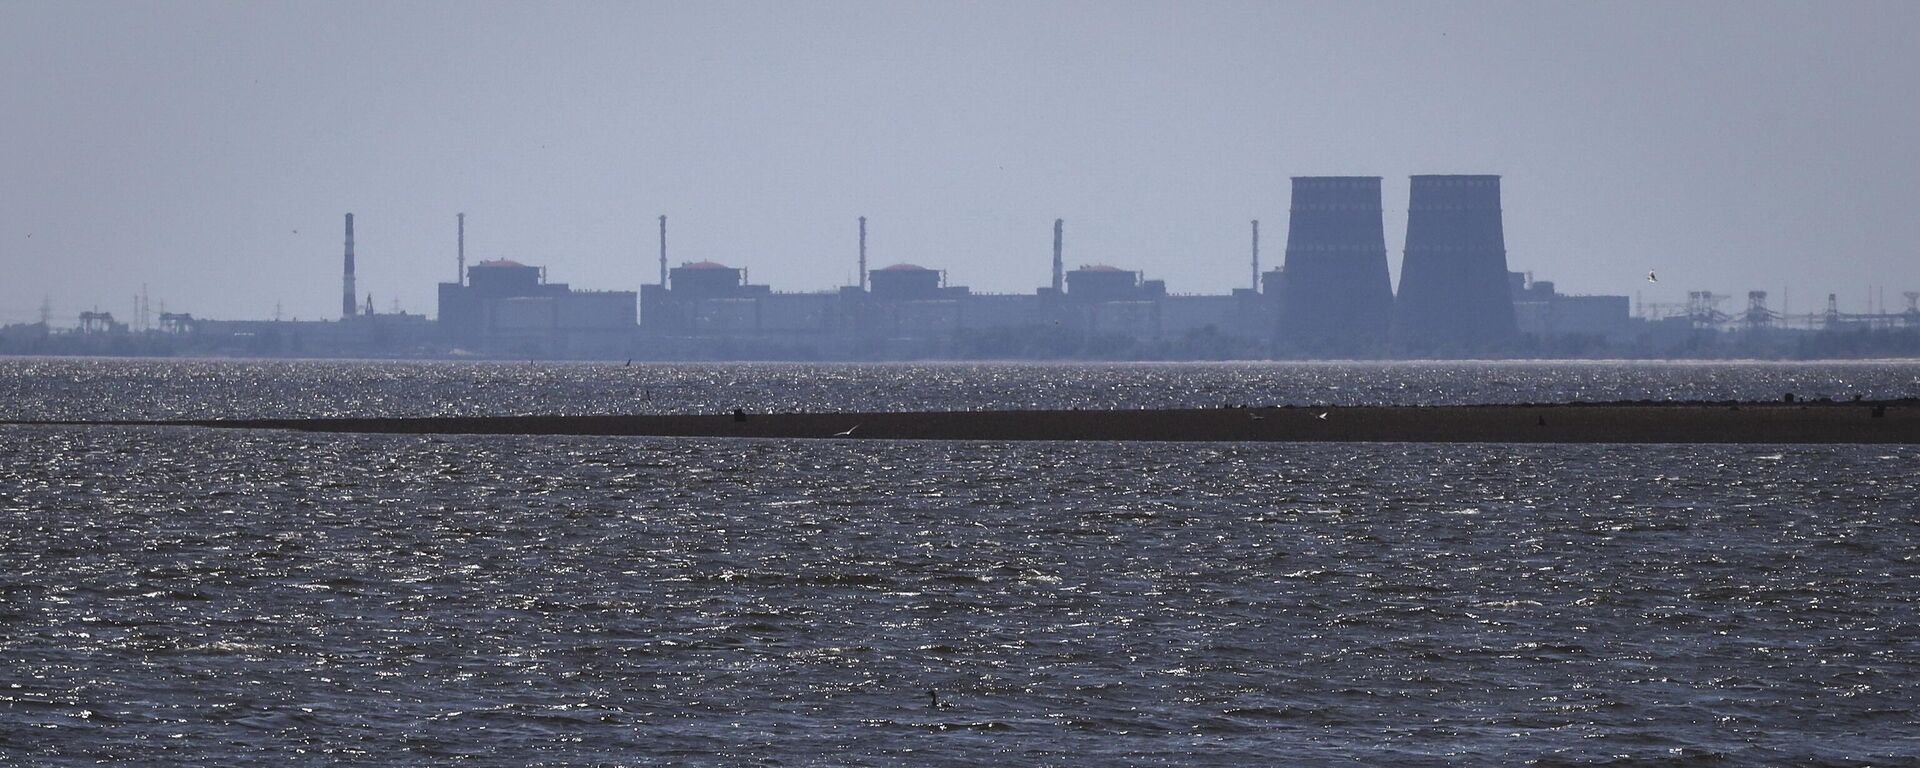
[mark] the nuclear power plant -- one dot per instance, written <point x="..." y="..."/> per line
<point x="1331" y="298"/>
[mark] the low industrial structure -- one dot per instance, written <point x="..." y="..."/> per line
<point x="505" y="308"/>
<point x="1541" y="312"/>
<point x="911" y="311"/>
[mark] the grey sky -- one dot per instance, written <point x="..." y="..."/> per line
<point x="208" y="150"/>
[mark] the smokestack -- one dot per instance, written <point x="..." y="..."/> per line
<point x="863" y="253"/>
<point x="1256" y="255"/>
<point x="663" y="251"/>
<point x="460" y="276"/>
<point x="1059" y="267"/>
<point x="347" y="304"/>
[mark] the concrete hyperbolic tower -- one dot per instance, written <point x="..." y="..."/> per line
<point x="1336" y="298"/>
<point x="1454" y="296"/>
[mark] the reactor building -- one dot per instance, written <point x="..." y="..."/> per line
<point x="1336" y="297"/>
<point x="1454" y="291"/>
<point x="506" y="308"/>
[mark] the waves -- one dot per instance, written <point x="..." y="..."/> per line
<point x="100" y="389"/>
<point x="257" y="597"/>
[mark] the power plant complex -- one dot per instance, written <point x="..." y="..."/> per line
<point x="1331" y="298"/>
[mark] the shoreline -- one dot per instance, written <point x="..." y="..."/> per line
<point x="1862" y="422"/>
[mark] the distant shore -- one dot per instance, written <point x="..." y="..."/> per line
<point x="1889" y="421"/>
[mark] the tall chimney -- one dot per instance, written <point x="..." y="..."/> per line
<point x="663" y="251"/>
<point x="863" y="253"/>
<point x="460" y="276"/>
<point x="1256" y="255"/>
<point x="1059" y="267"/>
<point x="347" y="304"/>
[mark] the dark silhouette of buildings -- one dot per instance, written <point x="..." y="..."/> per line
<point x="1336" y="298"/>
<point x="703" y="296"/>
<point x="1541" y="312"/>
<point x="902" y="282"/>
<point x="508" y="308"/>
<point x="1331" y="299"/>
<point x="1100" y="282"/>
<point x="1454" y="294"/>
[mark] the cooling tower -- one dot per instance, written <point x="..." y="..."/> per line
<point x="1336" y="299"/>
<point x="1453" y="296"/>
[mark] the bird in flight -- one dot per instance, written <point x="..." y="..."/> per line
<point x="848" y="433"/>
<point x="1322" y="416"/>
<point x="1651" y="278"/>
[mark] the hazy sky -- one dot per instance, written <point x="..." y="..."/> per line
<point x="208" y="150"/>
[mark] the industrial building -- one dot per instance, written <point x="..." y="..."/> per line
<point x="1331" y="298"/>
<point x="908" y="310"/>
<point x="1454" y="296"/>
<point x="1336" y="298"/>
<point x="910" y="282"/>
<point x="508" y="308"/>
<point x="1541" y="312"/>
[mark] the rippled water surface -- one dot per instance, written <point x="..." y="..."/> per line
<point x="180" y="596"/>
<point x="156" y="389"/>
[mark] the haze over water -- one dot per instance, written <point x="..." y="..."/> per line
<point x="180" y="595"/>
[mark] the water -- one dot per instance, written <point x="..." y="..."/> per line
<point x="179" y="596"/>
<point x="55" y="388"/>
